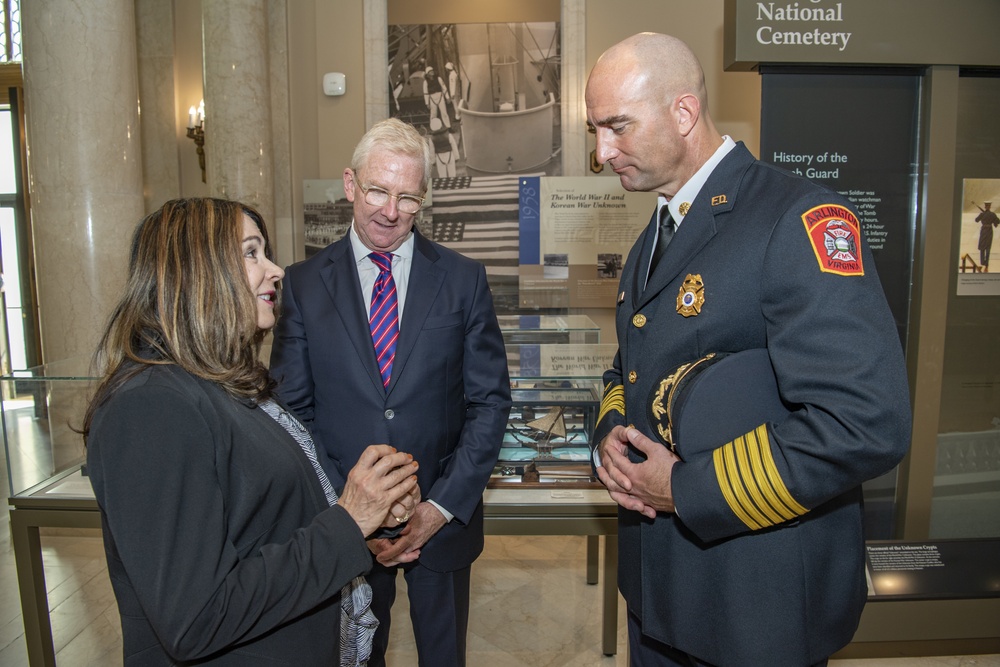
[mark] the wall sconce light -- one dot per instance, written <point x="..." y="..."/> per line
<point x="196" y="131"/>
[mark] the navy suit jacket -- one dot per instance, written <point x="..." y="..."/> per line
<point x="763" y="563"/>
<point x="449" y="397"/>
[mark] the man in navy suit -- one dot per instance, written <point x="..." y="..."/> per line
<point x="443" y="393"/>
<point x="746" y="551"/>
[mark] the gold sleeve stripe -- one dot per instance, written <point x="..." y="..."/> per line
<point x="748" y="459"/>
<point x="725" y="469"/>
<point x="782" y="494"/>
<point x="750" y="481"/>
<point x="772" y="486"/>
<point x="614" y="399"/>
<point x="736" y="466"/>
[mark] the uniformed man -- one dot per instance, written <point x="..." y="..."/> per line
<point x="748" y="551"/>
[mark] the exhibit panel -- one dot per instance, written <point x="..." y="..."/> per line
<point x="966" y="495"/>
<point x="902" y="114"/>
<point x="867" y="153"/>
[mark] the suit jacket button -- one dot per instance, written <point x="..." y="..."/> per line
<point x="389" y="414"/>
<point x="639" y="321"/>
<point x="632" y="376"/>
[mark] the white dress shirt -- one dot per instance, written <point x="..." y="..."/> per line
<point x="402" y="259"/>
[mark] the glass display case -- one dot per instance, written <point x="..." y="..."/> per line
<point x="548" y="329"/>
<point x="547" y="441"/>
<point x="551" y="422"/>
<point x="532" y="363"/>
<point x="555" y="392"/>
<point x="555" y="397"/>
<point x="42" y="412"/>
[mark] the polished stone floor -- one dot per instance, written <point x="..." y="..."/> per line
<point x="530" y="607"/>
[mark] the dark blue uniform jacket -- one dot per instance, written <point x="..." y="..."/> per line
<point x="763" y="564"/>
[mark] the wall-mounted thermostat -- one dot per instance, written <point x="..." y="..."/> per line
<point x="334" y="83"/>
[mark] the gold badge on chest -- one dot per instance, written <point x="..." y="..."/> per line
<point x="691" y="296"/>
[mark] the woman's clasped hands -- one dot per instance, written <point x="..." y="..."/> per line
<point x="381" y="490"/>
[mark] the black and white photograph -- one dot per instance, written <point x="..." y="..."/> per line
<point x="328" y="214"/>
<point x="555" y="266"/>
<point x="486" y="95"/>
<point x="609" y="264"/>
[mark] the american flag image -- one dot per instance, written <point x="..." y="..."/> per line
<point x="478" y="217"/>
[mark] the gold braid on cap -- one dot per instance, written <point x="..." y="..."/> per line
<point x="663" y="398"/>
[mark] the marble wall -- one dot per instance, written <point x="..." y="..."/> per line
<point x="238" y="102"/>
<point x="84" y="162"/>
<point x="106" y="136"/>
<point x="154" y="29"/>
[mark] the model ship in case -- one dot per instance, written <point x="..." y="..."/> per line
<point x="548" y="435"/>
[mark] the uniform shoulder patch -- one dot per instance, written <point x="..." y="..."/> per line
<point x="835" y="235"/>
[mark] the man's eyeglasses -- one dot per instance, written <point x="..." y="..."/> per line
<point x="409" y="204"/>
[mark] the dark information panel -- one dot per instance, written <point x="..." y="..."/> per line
<point x="855" y="133"/>
<point x="947" y="569"/>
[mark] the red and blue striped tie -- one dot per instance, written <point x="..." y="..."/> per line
<point x="384" y="318"/>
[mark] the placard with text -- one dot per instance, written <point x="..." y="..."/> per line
<point x="856" y="133"/>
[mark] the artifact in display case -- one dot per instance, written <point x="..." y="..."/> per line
<point x="548" y="435"/>
<point x="550" y="423"/>
<point x="548" y="474"/>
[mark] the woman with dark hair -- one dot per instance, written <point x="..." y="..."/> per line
<point x="226" y="544"/>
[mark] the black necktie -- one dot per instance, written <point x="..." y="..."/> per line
<point x="663" y="238"/>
